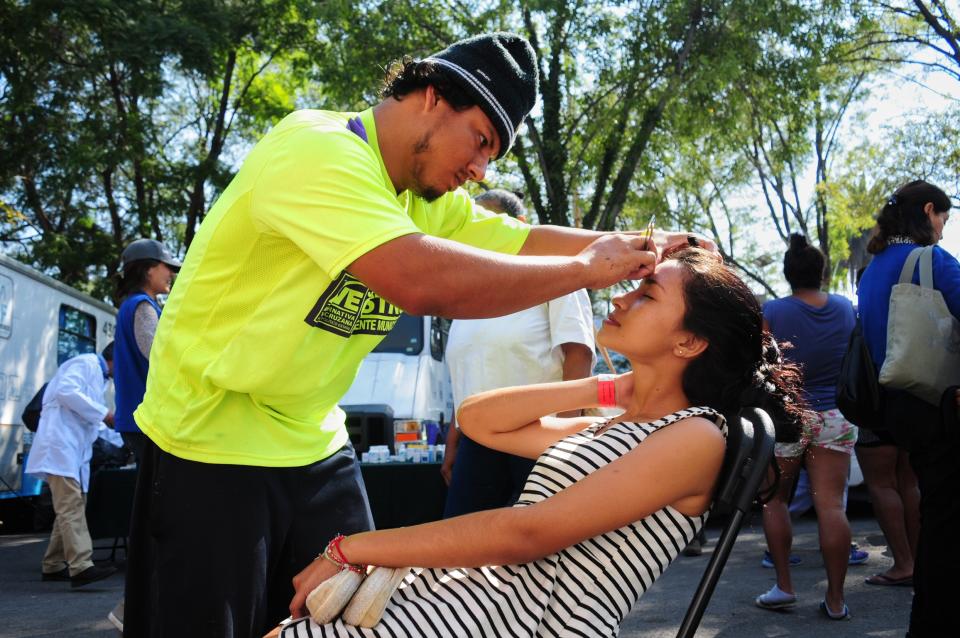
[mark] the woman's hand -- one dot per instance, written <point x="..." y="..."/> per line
<point x="623" y="385"/>
<point x="308" y="580"/>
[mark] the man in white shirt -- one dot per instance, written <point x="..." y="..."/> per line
<point x="73" y="410"/>
<point x="550" y="342"/>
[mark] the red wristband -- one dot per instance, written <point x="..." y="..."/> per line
<point x="335" y="554"/>
<point x="606" y="391"/>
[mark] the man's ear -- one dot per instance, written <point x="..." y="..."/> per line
<point x="690" y="346"/>
<point x="431" y="99"/>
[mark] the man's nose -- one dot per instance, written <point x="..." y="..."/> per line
<point x="478" y="168"/>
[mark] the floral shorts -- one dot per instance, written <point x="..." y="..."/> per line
<point x="829" y="430"/>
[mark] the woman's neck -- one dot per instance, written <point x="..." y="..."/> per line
<point x="656" y="392"/>
<point x="811" y="296"/>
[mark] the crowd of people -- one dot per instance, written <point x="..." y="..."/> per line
<point x="337" y="222"/>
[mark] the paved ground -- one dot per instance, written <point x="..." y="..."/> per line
<point x="31" y="608"/>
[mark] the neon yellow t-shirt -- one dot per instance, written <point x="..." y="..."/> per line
<point x="264" y="330"/>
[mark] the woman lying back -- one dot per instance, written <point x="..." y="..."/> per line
<point x="610" y="502"/>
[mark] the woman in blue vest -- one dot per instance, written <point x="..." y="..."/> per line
<point x="148" y="271"/>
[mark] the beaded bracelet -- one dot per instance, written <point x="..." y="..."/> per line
<point x="335" y="555"/>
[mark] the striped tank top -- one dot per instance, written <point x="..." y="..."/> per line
<point x="584" y="590"/>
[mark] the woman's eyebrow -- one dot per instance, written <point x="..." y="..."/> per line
<point x="652" y="281"/>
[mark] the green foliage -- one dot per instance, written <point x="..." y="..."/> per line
<point x="127" y="118"/>
<point x="118" y="118"/>
<point x="919" y="148"/>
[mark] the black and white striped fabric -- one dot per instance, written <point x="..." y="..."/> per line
<point x="584" y="590"/>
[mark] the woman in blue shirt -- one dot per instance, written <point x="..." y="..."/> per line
<point x="915" y="216"/>
<point x="148" y="271"/>
<point x="818" y="325"/>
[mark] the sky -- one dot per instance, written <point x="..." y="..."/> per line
<point x="894" y="97"/>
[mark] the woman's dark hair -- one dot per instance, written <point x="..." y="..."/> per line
<point x="903" y="215"/>
<point x="742" y="364"/>
<point x="405" y="76"/>
<point x="803" y="265"/>
<point x="134" y="276"/>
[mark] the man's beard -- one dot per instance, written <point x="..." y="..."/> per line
<point x="428" y="193"/>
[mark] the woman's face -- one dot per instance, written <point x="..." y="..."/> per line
<point x="159" y="280"/>
<point x="937" y="220"/>
<point x="648" y="321"/>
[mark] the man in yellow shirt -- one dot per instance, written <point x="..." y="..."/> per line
<point x="334" y="223"/>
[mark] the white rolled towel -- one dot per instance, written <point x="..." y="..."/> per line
<point x="369" y="602"/>
<point x="330" y="597"/>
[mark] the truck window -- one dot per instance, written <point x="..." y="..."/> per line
<point x="406" y="337"/>
<point x="439" y="330"/>
<point x="77" y="335"/>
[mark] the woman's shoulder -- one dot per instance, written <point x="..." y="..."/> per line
<point x="135" y="299"/>
<point x="839" y="302"/>
<point x="943" y="259"/>
<point x="693" y="414"/>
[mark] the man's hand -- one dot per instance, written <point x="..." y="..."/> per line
<point x="308" y="580"/>
<point x="450" y="452"/>
<point x="108" y="420"/>
<point x="615" y="257"/>
<point x="446" y="469"/>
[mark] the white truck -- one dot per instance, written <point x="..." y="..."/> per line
<point x="42" y="324"/>
<point x="402" y="391"/>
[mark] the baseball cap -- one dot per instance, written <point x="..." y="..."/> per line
<point x="148" y="249"/>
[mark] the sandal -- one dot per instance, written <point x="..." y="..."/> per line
<point x="886" y="581"/>
<point x="776" y="598"/>
<point x="843" y="615"/>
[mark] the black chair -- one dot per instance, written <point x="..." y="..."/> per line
<point x="750" y="440"/>
<point x="109" y="504"/>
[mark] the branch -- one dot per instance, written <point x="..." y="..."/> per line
<point x="934" y="23"/>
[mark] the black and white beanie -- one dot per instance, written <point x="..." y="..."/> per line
<point x="500" y="71"/>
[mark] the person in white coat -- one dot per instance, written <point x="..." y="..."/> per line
<point x="73" y="410"/>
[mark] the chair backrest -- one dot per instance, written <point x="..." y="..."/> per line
<point x="750" y="442"/>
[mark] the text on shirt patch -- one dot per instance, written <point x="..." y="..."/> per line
<point x="347" y="307"/>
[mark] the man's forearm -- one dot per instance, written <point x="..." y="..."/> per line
<point x="557" y="240"/>
<point x="432" y="276"/>
<point x="561" y="240"/>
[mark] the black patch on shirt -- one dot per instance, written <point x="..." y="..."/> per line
<point x="347" y="307"/>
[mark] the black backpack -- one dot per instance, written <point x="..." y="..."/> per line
<point x="858" y="388"/>
<point x="31" y="413"/>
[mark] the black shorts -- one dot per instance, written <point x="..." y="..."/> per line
<point x="213" y="548"/>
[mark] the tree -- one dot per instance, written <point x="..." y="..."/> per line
<point x="868" y="174"/>
<point x="923" y="34"/>
<point x="119" y="114"/>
